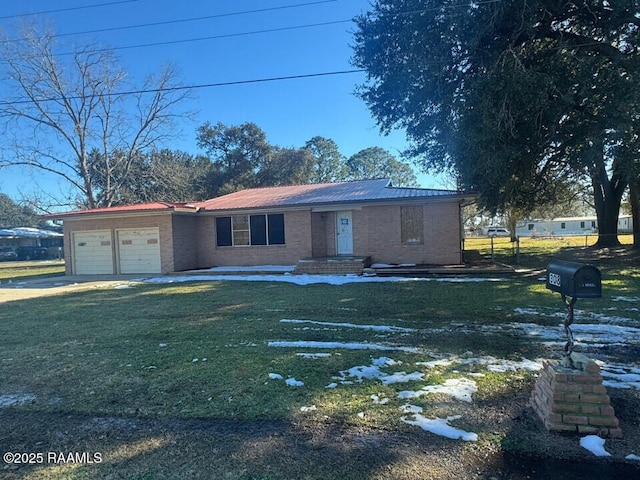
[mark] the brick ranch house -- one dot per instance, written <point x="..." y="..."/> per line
<point x="320" y="224"/>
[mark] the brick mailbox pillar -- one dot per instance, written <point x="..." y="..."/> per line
<point x="570" y="397"/>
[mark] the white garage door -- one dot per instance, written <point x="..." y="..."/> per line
<point x="92" y="252"/>
<point x="139" y="250"/>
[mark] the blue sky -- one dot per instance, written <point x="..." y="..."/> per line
<point x="286" y="38"/>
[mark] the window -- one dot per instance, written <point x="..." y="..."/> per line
<point x="411" y="225"/>
<point x="245" y="230"/>
<point x="563" y="225"/>
<point x="581" y="224"/>
<point x="530" y="227"/>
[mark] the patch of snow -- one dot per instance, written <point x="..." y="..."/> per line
<point x="595" y="445"/>
<point x="440" y="426"/>
<point x="16" y="399"/>
<point x="632" y="456"/>
<point x="303" y="280"/>
<point x="378" y="400"/>
<point x="408" y="408"/>
<point x="619" y="375"/>
<point x="275" y="376"/>
<point x="625" y="299"/>
<point x="374" y="371"/>
<point x="308" y="409"/>
<point x="375" y="328"/>
<point x="460" y="388"/>
<point x="342" y="345"/>
<point x="314" y="355"/>
<point x="292" y="382"/>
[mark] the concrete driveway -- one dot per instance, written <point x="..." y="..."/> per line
<point x="25" y="289"/>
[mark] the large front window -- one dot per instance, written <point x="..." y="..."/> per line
<point x="245" y="230"/>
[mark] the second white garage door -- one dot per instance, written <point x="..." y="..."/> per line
<point x="139" y="250"/>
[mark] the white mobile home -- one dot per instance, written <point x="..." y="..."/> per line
<point x="568" y="226"/>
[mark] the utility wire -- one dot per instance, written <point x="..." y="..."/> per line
<point x="182" y="20"/>
<point x="69" y="9"/>
<point x="214" y="37"/>
<point x="193" y="87"/>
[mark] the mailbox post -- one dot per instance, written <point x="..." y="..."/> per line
<point x="573" y="281"/>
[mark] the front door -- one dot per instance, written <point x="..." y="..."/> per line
<point x="344" y="230"/>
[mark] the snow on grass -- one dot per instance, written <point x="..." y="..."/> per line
<point x="625" y="299"/>
<point x="292" y="382"/>
<point x="617" y="375"/>
<point x="16" y="399"/>
<point x="437" y="426"/>
<point x="459" y="388"/>
<point x="312" y="279"/>
<point x="375" y="328"/>
<point x="314" y="355"/>
<point x="342" y="345"/>
<point x="586" y="334"/>
<point x="374" y="371"/>
<point x="595" y="445"/>
<point x="492" y="364"/>
<point x="580" y="316"/>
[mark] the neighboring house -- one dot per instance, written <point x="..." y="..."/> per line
<point x="568" y="226"/>
<point x="366" y="221"/>
<point x="32" y="237"/>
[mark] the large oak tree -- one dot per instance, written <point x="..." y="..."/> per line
<point x="516" y="97"/>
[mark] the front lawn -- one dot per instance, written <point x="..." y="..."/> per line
<point x="154" y="376"/>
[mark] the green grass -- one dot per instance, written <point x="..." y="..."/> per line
<point x="130" y="352"/>
<point x="15" y="271"/>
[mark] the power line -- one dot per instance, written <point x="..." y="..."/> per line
<point x="194" y="87"/>
<point x="182" y="20"/>
<point x="194" y="19"/>
<point x="215" y="37"/>
<point x="68" y="9"/>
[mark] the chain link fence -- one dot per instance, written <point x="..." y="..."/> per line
<point x="503" y="250"/>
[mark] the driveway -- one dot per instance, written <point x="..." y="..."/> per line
<point x="25" y="289"/>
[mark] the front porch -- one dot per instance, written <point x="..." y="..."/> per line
<point x="333" y="265"/>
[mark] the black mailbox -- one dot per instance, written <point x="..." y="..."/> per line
<point x="575" y="280"/>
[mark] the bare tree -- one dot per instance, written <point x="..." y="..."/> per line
<point x="62" y="106"/>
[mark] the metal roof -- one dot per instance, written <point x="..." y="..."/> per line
<point x="322" y="193"/>
<point x="358" y="191"/>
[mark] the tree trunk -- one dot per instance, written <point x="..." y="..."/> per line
<point x="634" y="197"/>
<point x="608" y="197"/>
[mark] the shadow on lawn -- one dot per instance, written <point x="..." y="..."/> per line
<point x="137" y="449"/>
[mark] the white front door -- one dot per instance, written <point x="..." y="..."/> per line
<point x="344" y="230"/>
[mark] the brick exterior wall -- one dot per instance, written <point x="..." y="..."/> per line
<point x="185" y="242"/>
<point x="162" y="222"/>
<point x="377" y="233"/>
<point x="298" y="244"/>
<point x="189" y="241"/>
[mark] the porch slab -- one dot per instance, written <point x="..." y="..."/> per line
<point x="333" y="265"/>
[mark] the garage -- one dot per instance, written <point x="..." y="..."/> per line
<point x="138" y="250"/>
<point x="92" y="252"/>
